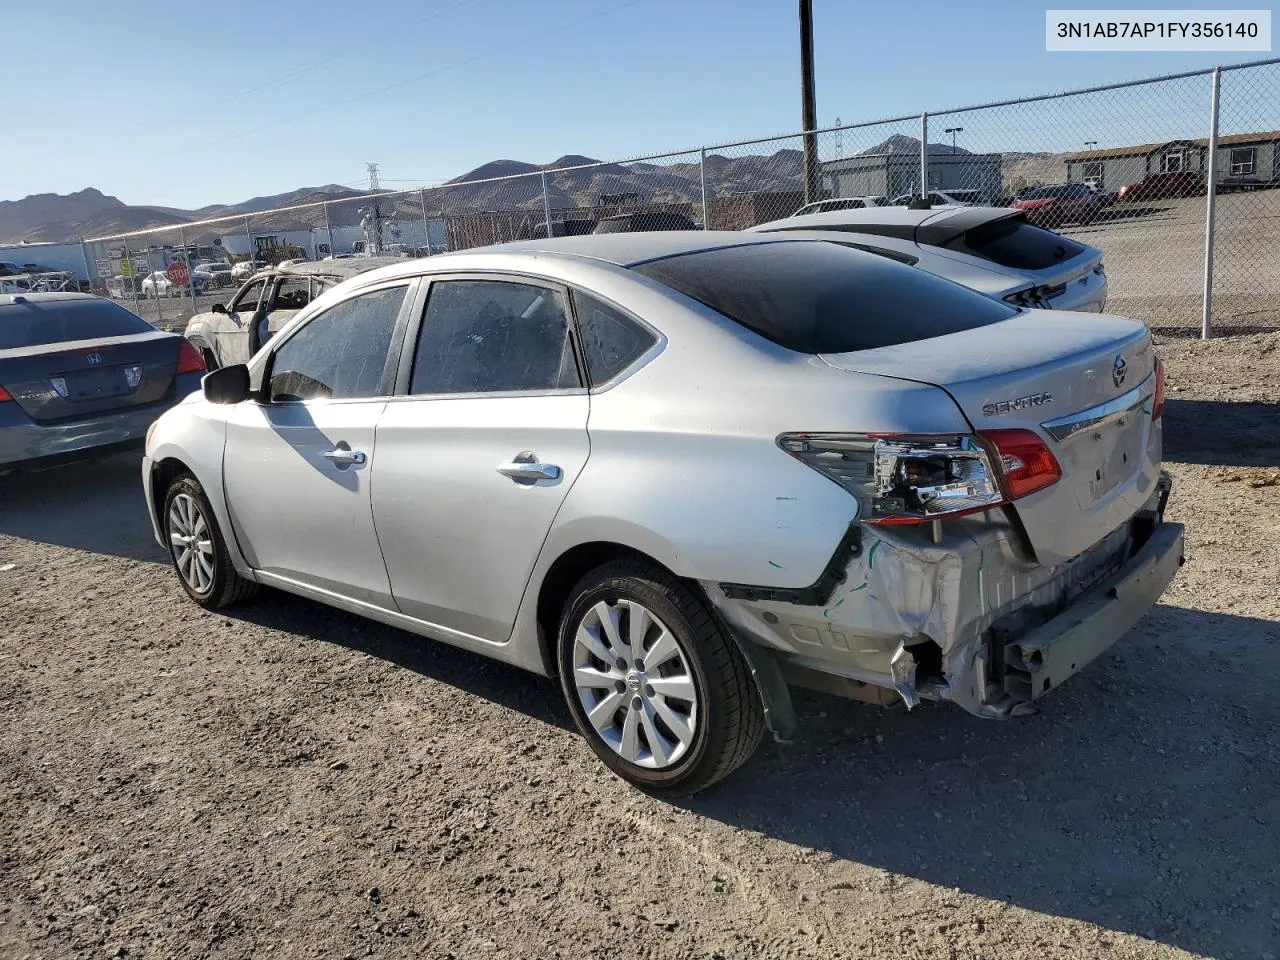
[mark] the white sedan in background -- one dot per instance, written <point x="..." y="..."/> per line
<point x="993" y="250"/>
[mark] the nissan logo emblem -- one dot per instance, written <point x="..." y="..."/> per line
<point x="1118" y="371"/>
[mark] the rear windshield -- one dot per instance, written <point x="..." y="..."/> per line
<point x="1017" y="244"/>
<point x="816" y="297"/>
<point x="36" y="323"/>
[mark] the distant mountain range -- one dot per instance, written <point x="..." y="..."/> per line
<point x="89" y="212"/>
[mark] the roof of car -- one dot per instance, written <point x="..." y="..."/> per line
<point x="348" y="267"/>
<point x="629" y="249"/>
<point x="8" y="299"/>
<point x="934" y="226"/>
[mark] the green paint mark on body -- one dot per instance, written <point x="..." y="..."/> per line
<point x="861" y="586"/>
<point x="778" y="565"/>
<point x="871" y="555"/>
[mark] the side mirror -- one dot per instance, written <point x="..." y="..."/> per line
<point x="226" y="385"/>
<point x="218" y="308"/>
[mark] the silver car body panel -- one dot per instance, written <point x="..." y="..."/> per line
<point x="700" y="487"/>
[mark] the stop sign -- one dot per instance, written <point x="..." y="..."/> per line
<point x="177" y="273"/>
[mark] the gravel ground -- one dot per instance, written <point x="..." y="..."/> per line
<point x="295" y="782"/>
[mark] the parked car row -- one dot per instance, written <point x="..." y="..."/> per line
<point x="897" y="482"/>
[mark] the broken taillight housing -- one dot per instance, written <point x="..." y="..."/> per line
<point x="903" y="478"/>
<point x="908" y="478"/>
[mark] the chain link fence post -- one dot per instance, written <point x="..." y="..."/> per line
<point x="249" y="240"/>
<point x="1211" y="191"/>
<point x="328" y="230"/>
<point x="133" y="276"/>
<point x="191" y="280"/>
<point x="426" y="227"/>
<point x="924" y="155"/>
<point x="88" y="269"/>
<point x="702" y="170"/>
<point x="546" y="206"/>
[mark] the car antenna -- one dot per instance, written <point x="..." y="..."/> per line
<point x="919" y="203"/>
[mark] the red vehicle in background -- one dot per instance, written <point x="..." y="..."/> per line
<point x="1058" y="204"/>
<point x="1163" y="186"/>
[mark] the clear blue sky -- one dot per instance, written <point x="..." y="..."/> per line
<point x="214" y="102"/>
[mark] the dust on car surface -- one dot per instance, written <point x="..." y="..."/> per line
<point x="294" y="780"/>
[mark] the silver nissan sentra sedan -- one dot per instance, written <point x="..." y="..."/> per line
<point x="684" y="472"/>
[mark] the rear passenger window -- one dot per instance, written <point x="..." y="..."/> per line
<point x="493" y="336"/>
<point x="611" y="340"/>
<point x="341" y="354"/>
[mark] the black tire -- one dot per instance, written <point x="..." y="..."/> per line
<point x="731" y="716"/>
<point x="226" y="587"/>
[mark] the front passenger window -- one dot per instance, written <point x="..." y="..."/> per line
<point x="342" y="353"/>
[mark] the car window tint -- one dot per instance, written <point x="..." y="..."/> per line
<point x="611" y="340"/>
<point x="38" y="322"/>
<point x="247" y="301"/>
<point x="1015" y="243"/>
<point x="292" y="293"/>
<point x="816" y="297"/>
<point x="481" y="336"/>
<point x="341" y="353"/>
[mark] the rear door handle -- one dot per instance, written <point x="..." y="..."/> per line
<point x="524" y="470"/>
<point x="345" y="456"/>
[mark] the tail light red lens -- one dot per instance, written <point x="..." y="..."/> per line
<point x="5" y="395"/>
<point x="189" y="359"/>
<point x="1157" y="403"/>
<point x="1026" y="464"/>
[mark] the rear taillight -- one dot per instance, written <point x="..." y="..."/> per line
<point x="1157" y="403"/>
<point x="1026" y="463"/>
<point x="5" y="395"/>
<point x="900" y="479"/>
<point x="189" y="359"/>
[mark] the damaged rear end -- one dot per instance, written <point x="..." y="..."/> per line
<point x="985" y="567"/>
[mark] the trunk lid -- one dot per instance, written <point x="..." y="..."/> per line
<point x="60" y="381"/>
<point x="1082" y="382"/>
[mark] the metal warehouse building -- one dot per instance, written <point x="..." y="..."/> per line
<point x="894" y="174"/>
<point x="1243" y="158"/>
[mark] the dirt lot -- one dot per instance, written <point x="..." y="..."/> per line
<point x="291" y="781"/>
<point x="1154" y="254"/>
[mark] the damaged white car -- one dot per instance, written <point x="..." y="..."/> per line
<point x="683" y="471"/>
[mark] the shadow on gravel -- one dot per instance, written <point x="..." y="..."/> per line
<point x="1143" y="799"/>
<point x="94" y="505"/>
<point x="499" y="683"/>
<point x="1219" y="433"/>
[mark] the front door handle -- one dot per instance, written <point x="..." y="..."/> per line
<point x="342" y="455"/>
<point x="529" y="470"/>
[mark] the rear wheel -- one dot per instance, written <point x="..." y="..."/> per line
<point x="197" y="549"/>
<point x="660" y="691"/>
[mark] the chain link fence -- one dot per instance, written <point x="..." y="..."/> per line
<point x="1124" y="168"/>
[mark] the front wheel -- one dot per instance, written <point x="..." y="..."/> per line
<point x="660" y="691"/>
<point x="196" y="547"/>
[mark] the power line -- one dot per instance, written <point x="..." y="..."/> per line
<point x="311" y="66"/>
<point x="422" y="76"/>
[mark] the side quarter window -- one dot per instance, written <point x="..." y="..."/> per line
<point x="343" y="353"/>
<point x="490" y="336"/>
<point x="611" y="340"/>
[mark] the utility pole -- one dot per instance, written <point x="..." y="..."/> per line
<point x="373" y="221"/>
<point x="953" y="131"/>
<point x="809" y="102"/>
